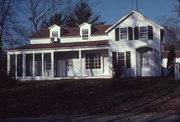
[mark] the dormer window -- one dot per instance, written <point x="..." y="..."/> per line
<point x="123" y="33"/>
<point x="143" y="34"/>
<point x="85" y="34"/>
<point x="54" y="34"/>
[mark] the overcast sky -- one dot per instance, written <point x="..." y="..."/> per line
<point x="112" y="10"/>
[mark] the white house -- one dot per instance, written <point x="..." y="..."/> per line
<point x="89" y="51"/>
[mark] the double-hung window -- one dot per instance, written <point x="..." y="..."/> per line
<point x="143" y="34"/>
<point x="122" y="59"/>
<point x="54" y="34"/>
<point x="93" y="61"/>
<point x="123" y="33"/>
<point x="85" y="34"/>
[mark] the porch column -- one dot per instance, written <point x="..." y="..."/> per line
<point x="80" y="60"/>
<point x="8" y="63"/>
<point x="154" y="62"/>
<point x="15" y="65"/>
<point x="110" y="62"/>
<point x="33" y="66"/>
<point x="52" y="62"/>
<point x="24" y="65"/>
<point x="42" y="64"/>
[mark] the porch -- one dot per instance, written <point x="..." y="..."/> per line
<point x="59" y="64"/>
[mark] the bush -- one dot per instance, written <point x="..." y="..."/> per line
<point x="117" y="71"/>
<point x="6" y="80"/>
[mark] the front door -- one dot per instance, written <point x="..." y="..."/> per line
<point x="147" y="63"/>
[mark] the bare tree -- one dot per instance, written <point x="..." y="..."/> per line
<point x="40" y="10"/>
<point x="11" y="30"/>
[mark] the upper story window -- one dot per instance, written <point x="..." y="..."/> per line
<point x="85" y="34"/>
<point x="54" y="34"/>
<point x="123" y="33"/>
<point x="143" y="34"/>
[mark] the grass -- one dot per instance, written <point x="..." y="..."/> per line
<point x="91" y="97"/>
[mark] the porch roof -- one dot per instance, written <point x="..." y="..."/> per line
<point x="62" y="45"/>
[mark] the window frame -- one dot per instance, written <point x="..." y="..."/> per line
<point x="140" y="36"/>
<point x="120" y="59"/>
<point x="120" y="33"/>
<point x="54" y="35"/>
<point x="93" y="60"/>
<point x="124" y="60"/>
<point x="85" y="34"/>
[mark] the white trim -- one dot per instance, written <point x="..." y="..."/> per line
<point x="80" y="60"/>
<point x="52" y="64"/>
<point x="15" y="65"/>
<point x="33" y="66"/>
<point x="84" y="24"/>
<point x="8" y="63"/>
<point x="48" y="50"/>
<point x="54" y="26"/>
<point x="42" y="64"/>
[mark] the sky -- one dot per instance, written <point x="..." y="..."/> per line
<point x="112" y="10"/>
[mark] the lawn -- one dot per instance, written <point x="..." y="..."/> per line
<point x="91" y="97"/>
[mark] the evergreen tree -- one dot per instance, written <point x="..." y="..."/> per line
<point x="80" y="13"/>
<point x="171" y="59"/>
<point x="57" y="19"/>
<point x="83" y="13"/>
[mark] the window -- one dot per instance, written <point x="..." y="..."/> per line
<point x="12" y="65"/>
<point x="47" y="64"/>
<point x="29" y="62"/>
<point x="54" y="34"/>
<point x="85" y="34"/>
<point x="123" y="33"/>
<point x="19" y="65"/>
<point x="38" y="64"/>
<point x="122" y="58"/>
<point x="93" y="61"/>
<point x="143" y="32"/>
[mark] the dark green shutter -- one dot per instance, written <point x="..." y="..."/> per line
<point x="161" y="34"/>
<point x="150" y="32"/>
<point x="114" y="58"/>
<point x="128" y="59"/>
<point x="130" y="32"/>
<point x="136" y="33"/>
<point x="117" y="34"/>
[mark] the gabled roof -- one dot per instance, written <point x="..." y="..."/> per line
<point x="62" y="45"/>
<point x="84" y="24"/>
<point x="129" y="14"/>
<point x="71" y="31"/>
<point x="53" y="26"/>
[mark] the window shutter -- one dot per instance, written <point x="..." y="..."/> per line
<point x="136" y="33"/>
<point x="114" y="58"/>
<point x="150" y="32"/>
<point x="161" y="34"/>
<point x="117" y="34"/>
<point x="130" y="33"/>
<point x="128" y="59"/>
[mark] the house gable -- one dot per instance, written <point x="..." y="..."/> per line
<point x="134" y="16"/>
